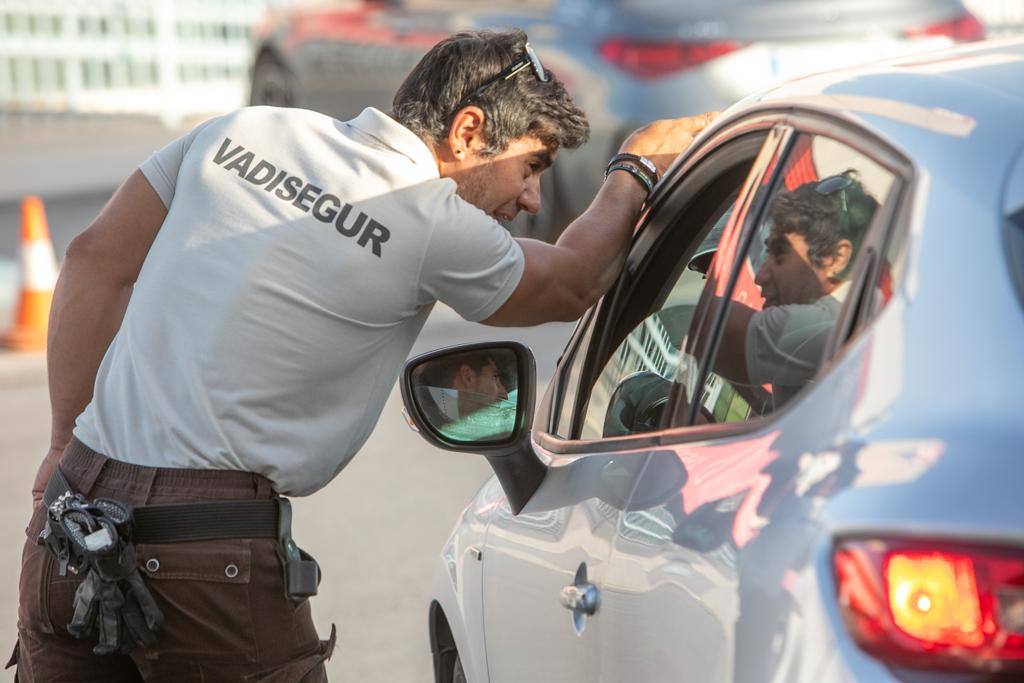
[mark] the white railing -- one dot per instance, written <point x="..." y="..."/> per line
<point x="172" y="58"/>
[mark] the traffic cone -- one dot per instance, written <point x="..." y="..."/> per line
<point x="38" y="277"/>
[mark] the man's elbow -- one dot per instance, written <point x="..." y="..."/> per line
<point x="87" y="256"/>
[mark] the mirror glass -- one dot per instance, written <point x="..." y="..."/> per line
<point x="468" y="396"/>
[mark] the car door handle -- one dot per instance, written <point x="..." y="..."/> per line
<point x="583" y="598"/>
<point x="580" y="597"/>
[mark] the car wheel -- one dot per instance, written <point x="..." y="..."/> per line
<point x="458" y="675"/>
<point x="271" y="84"/>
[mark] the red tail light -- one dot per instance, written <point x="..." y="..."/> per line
<point x="934" y="605"/>
<point x="963" y="29"/>
<point x="655" y="58"/>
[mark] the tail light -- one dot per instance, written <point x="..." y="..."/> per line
<point x="655" y="58"/>
<point x="963" y="29"/>
<point x="934" y="605"/>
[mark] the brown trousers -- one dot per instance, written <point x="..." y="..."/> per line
<point x="227" y="617"/>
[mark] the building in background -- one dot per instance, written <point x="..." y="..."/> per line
<point x="168" y="58"/>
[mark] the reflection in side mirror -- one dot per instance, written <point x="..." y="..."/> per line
<point x="479" y="398"/>
<point x="468" y="396"/>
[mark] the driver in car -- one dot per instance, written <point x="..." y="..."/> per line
<point x="231" y="325"/>
<point x="815" y="232"/>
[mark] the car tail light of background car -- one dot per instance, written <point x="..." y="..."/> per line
<point x="962" y="28"/>
<point x="934" y="605"/>
<point x="655" y="58"/>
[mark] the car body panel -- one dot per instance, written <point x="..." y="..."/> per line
<point x="712" y="549"/>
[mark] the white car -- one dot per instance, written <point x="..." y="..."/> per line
<point x="786" y="446"/>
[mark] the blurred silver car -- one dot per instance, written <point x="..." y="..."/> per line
<point x="786" y="445"/>
<point x="626" y="62"/>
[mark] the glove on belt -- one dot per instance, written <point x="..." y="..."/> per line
<point x="112" y="600"/>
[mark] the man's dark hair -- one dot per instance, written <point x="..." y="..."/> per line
<point x="441" y="371"/>
<point x="823" y="219"/>
<point x="433" y="92"/>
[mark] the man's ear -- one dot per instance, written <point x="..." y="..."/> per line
<point x="841" y="258"/>
<point x="464" y="377"/>
<point x="466" y="134"/>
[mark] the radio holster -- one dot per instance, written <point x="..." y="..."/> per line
<point x="302" y="573"/>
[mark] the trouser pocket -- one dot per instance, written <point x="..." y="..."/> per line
<point x="203" y="589"/>
<point x="45" y="597"/>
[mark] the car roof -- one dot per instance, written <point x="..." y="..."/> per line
<point x="994" y="65"/>
<point x="953" y="93"/>
<point x="954" y="114"/>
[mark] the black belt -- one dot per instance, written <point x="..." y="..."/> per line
<point x="204" y="521"/>
<point x="210" y="521"/>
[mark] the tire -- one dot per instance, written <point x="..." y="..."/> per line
<point x="271" y="83"/>
<point x="459" y="674"/>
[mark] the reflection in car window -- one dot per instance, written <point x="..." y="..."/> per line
<point x="794" y="280"/>
<point x="633" y="388"/>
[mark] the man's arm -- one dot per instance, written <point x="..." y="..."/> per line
<point x="96" y="277"/>
<point x="561" y="281"/>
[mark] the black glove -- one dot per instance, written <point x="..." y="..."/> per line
<point x="117" y="605"/>
<point x="112" y="600"/>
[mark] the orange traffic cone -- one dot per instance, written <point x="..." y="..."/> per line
<point x="38" y="277"/>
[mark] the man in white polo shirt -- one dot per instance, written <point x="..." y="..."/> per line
<point x="229" y="328"/>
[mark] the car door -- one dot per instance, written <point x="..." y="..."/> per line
<point x="562" y="539"/>
<point x="699" y="581"/>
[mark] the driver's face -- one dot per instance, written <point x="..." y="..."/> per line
<point x="787" y="275"/>
<point x="487" y="381"/>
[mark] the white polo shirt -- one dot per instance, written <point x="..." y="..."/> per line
<point x="298" y="261"/>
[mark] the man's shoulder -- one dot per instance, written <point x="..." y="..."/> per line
<point x="275" y="121"/>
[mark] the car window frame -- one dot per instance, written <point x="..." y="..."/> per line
<point x="653" y="229"/>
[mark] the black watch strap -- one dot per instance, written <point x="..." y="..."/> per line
<point x="641" y="161"/>
<point x="632" y="170"/>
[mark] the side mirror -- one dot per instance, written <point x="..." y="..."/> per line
<point x="479" y="398"/>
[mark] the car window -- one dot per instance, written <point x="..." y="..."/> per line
<point x="790" y="286"/>
<point x="638" y="327"/>
<point x="633" y="388"/>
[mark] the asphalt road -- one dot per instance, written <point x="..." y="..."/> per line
<point x="376" y="529"/>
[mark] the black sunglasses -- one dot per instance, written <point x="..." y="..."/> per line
<point x="833" y="184"/>
<point x="529" y="59"/>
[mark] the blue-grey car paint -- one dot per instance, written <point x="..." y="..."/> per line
<point x="913" y="430"/>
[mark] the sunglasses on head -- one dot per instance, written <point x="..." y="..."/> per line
<point x="833" y="184"/>
<point x="529" y="59"/>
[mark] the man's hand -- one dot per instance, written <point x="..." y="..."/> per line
<point x="662" y="141"/>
